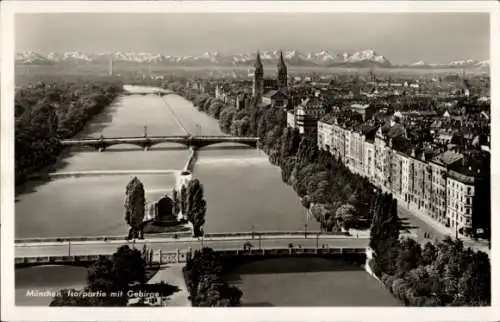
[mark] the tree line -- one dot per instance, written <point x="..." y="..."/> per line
<point x="192" y="205"/>
<point x="440" y="274"/>
<point x="336" y="197"/>
<point x="46" y="113"/>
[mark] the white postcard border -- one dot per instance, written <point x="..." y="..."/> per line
<point x="12" y="313"/>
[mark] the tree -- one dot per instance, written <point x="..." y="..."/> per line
<point x="129" y="266"/>
<point x="214" y="292"/>
<point x="113" y="277"/>
<point x="177" y="202"/>
<point x="428" y="254"/>
<point x="409" y="257"/>
<point x="135" y="208"/>
<point x="196" y="206"/>
<point x="183" y="201"/>
<point x="346" y="216"/>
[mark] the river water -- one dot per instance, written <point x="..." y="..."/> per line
<point x="243" y="190"/>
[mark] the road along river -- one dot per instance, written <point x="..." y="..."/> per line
<point x="243" y="190"/>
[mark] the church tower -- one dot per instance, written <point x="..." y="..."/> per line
<point x="282" y="73"/>
<point x="258" y="78"/>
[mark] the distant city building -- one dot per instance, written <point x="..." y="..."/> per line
<point x="307" y="114"/>
<point x="261" y="84"/>
<point x="275" y="98"/>
<point x="366" y="110"/>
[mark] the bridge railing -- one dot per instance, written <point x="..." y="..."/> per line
<point x="198" y="137"/>
<point x="175" y="235"/>
<point x="178" y="256"/>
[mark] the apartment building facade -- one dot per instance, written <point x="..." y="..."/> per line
<point x="422" y="183"/>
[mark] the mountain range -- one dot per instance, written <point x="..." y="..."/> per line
<point x="365" y="58"/>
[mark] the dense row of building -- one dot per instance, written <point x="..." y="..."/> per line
<point x="446" y="182"/>
<point x="448" y="186"/>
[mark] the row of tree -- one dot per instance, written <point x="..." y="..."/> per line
<point x="336" y="197"/>
<point x="110" y="279"/>
<point x="45" y="113"/>
<point x="442" y="274"/>
<point x="192" y="205"/>
<point x="202" y="274"/>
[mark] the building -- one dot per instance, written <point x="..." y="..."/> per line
<point x="338" y="141"/>
<point x="325" y="133"/>
<point x="448" y="187"/>
<point x="282" y="81"/>
<point x="397" y="160"/>
<point x="260" y="84"/>
<point x="439" y="167"/>
<point x="275" y="98"/>
<point x="460" y="193"/>
<point x="365" y="110"/>
<point x="416" y="182"/>
<point x="369" y="159"/>
<point x="355" y="146"/>
<point x="308" y="113"/>
<point x="258" y="79"/>
<point x="468" y="194"/>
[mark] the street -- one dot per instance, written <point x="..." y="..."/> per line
<point x="436" y="232"/>
<point x="109" y="247"/>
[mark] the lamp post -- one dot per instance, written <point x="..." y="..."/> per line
<point x="253" y="231"/>
<point x="317" y="241"/>
<point x="145" y="131"/>
<point x="69" y="248"/>
<point x="305" y="231"/>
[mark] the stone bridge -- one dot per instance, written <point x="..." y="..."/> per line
<point x="158" y="93"/>
<point x="181" y="256"/>
<point x="146" y="142"/>
<point x="176" y="250"/>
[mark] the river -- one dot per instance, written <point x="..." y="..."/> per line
<point x="243" y="190"/>
<point x="237" y="198"/>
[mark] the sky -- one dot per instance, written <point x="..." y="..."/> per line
<point x="400" y="37"/>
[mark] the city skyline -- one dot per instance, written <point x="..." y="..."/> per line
<point x="403" y="38"/>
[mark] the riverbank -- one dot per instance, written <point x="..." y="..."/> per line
<point x="37" y="152"/>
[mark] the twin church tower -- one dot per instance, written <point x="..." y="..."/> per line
<point x="259" y="83"/>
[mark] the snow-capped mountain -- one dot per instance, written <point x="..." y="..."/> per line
<point x="419" y="63"/>
<point x="32" y="58"/>
<point x="469" y="63"/>
<point x="292" y="57"/>
<point x="364" y="58"/>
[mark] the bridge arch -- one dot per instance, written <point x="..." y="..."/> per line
<point x="168" y="146"/>
<point x="206" y="143"/>
<point x="120" y="146"/>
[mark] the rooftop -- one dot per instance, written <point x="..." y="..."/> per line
<point x="447" y="158"/>
<point x="273" y="93"/>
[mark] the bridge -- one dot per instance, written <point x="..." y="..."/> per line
<point x="158" y="93"/>
<point x="146" y="142"/>
<point x="176" y="249"/>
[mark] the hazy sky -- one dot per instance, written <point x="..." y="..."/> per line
<point x="401" y="37"/>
